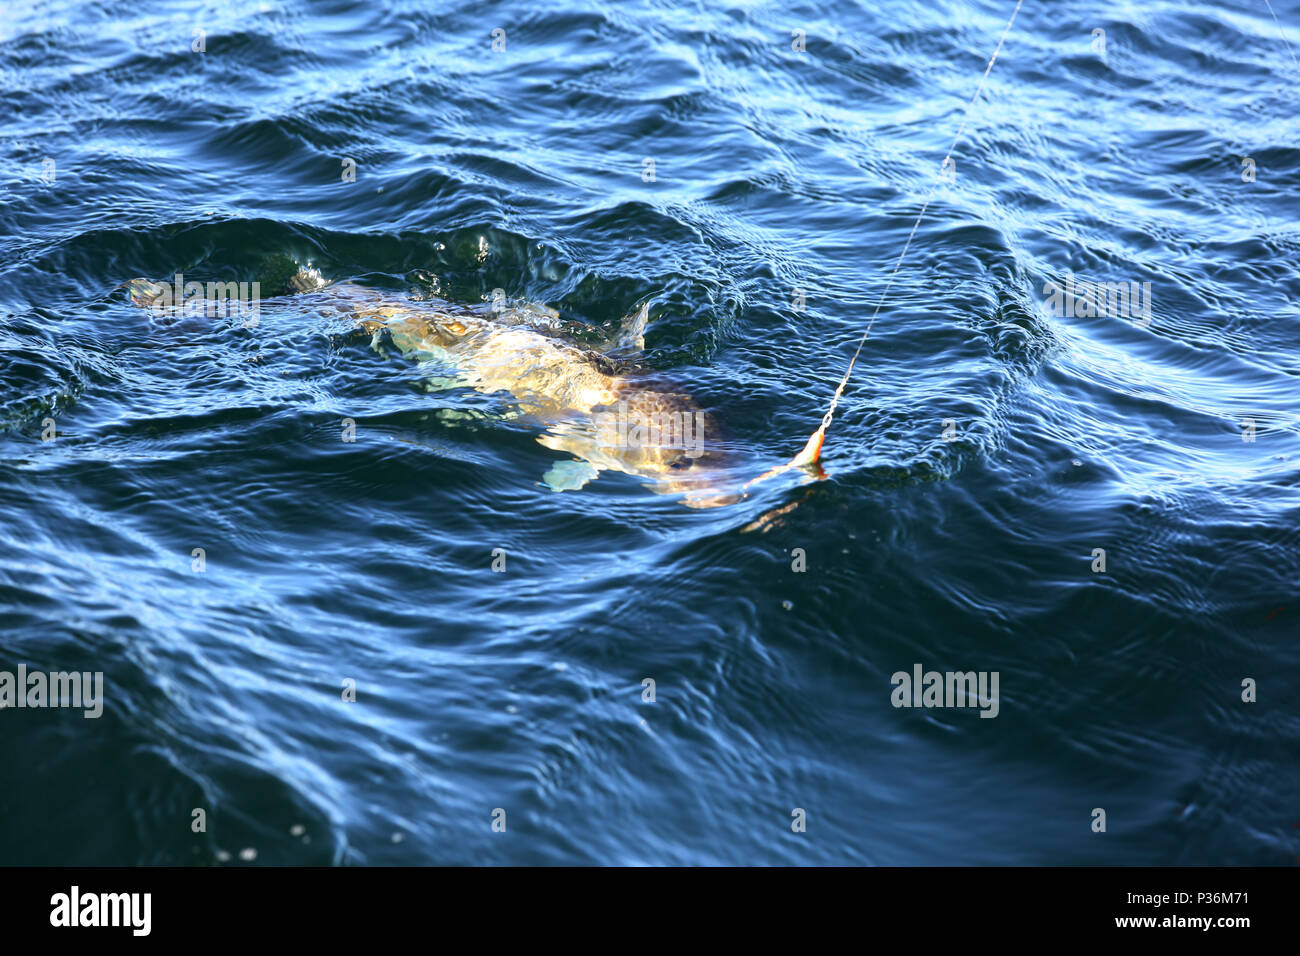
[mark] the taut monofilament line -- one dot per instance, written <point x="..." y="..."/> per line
<point x="813" y="449"/>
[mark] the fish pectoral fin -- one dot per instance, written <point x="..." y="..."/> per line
<point x="631" y="331"/>
<point x="569" y="475"/>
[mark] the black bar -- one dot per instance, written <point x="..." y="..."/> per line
<point x="243" y="905"/>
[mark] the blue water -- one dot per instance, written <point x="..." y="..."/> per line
<point x="785" y="185"/>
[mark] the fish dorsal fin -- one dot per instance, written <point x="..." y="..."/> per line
<point x="307" y="279"/>
<point x="631" y="331"/>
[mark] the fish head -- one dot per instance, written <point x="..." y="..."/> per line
<point x="667" y="440"/>
<point x="704" y="482"/>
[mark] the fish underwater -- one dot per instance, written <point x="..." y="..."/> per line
<point x="598" y="405"/>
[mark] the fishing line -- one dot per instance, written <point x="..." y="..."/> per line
<point x="812" y="450"/>
<point x="1281" y="34"/>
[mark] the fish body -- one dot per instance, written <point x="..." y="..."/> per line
<point x="595" y="405"/>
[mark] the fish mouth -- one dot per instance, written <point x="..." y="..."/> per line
<point x="707" y="487"/>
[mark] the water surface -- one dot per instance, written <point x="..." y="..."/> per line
<point x="785" y="185"/>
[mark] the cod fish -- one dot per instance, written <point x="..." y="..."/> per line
<point x="596" y="405"/>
